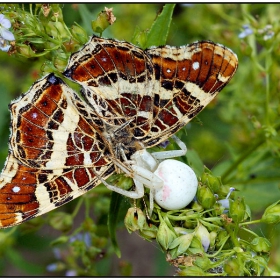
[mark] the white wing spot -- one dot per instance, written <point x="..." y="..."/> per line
<point x="195" y="65"/>
<point x="168" y="70"/>
<point x="16" y="189"/>
<point x="34" y="115"/>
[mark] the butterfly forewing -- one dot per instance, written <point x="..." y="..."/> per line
<point x="189" y="77"/>
<point x="55" y="152"/>
<point x="117" y="79"/>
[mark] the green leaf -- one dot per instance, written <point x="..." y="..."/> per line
<point x="158" y="33"/>
<point x="114" y="210"/>
<point x="21" y="263"/>
<point x="86" y="17"/>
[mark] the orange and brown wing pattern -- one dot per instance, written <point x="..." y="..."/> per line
<point x="156" y="91"/>
<point x="117" y="80"/>
<point x="61" y="147"/>
<point x="55" y="153"/>
<point x="187" y="78"/>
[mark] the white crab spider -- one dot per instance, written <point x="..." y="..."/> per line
<point x="148" y="172"/>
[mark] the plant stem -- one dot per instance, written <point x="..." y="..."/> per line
<point x="250" y="222"/>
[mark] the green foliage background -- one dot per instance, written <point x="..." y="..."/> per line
<point x="236" y="136"/>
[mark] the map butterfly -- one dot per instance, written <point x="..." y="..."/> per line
<point x="61" y="146"/>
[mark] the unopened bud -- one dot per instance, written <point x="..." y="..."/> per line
<point x="182" y="243"/>
<point x="205" y="197"/>
<point x="134" y="219"/>
<point x="196" y="206"/>
<point x="203" y="262"/>
<point x="192" y="271"/>
<point x="272" y="214"/>
<point x="57" y="12"/>
<point x="104" y="19"/>
<point x="57" y="30"/>
<point x="60" y="61"/>
<point x="237" y="210"/>
<point x="79" y="34"/>
<point x="25" y="50"/>
<point x="232" y="268"/>
<point x="261" y="245"/>
<point x="165" y="235"/>
<point x="203" y="235"/>
<point x="214" y="183"/>
<point x="149" y="231"/>
<point x="220" y="239"/>
<point x="213" y="236"/>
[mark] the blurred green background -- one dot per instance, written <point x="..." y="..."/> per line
<point x="241" y="124"/>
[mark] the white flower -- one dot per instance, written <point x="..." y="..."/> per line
<point x="204" y="236"/>
<point x="267" y="32"/>
<point x="5" y="34"/>
<point x="5" y="24"/>
<point x="247" y="31"/>
<point x="225" y="202"/>
<point x="3" y="45"/>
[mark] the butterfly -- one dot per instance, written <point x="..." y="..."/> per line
<point x="62" y="145"/>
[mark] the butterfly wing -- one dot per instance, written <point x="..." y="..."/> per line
<point x="55" y="153"/>
<point x="187" y="79"/>
<point x="156" y="91"/>
<point x="117" y="80"/>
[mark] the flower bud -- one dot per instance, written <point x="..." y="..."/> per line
<point x="237" y="210"/>
<point x="57" y="13"/>
<point x="165" y="235"/>
<point x="205" y="197"/>
<point x="261" y="245"/>
<point x="60" y="61"/>
<point x="203" y="262"/>
<point x="104" y="19"/>
<point x="182" y="230"/>
<point x="213" y="236"/>
<point x="45" y="14"/>
<point x="71" y="46"/>
<point x="25" y="50"/>
<point x="232" y="268"/>
<point x="271" y="214"/>
<point x="182" y="243"/>
<point x="149" y="231"/>
<point x="196" y="244"/>
<point x="134" y="219"/>
<point x="79" y="34"/>
<point x="57" y="30"/>
<point x="203" y="235"/>
<point x="192" y="271"/>
<point x="196" y="206"/>
<point x="214" y="183"/>
<point x="222" y="235"/>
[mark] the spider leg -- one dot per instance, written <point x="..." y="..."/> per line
<point x="172" y="154"/>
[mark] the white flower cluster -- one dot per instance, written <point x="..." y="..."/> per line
<point x="5" y="34"/>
